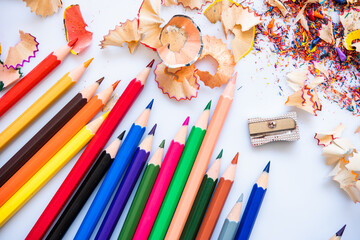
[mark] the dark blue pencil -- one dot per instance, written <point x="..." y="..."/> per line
<point x="253" y="205"/>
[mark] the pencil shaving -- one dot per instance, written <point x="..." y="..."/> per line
<point x="215" y="48"/>
<point x="126" y="32"/>
<point x="340" y="151"/>
<point x="8" y="75"/>
<point x="194" y="4"/>
<point x="306" y="99"/>
<point x="326" y="138"/>
<point x="326" y="33"/>
<point x="44" y="7"/>
<point x="75" y="29"/>
<point x="280" y="5"/>
<point x="169" y="2"/>
<point x="350" y="20"/>
<point x="352" y="36"/>
<point x="22" y="52"/>
<point x="181" y="42"/>
<point x="179" y="83"/>
<point x="149" y="23"/>
<point x="296" y="79"/>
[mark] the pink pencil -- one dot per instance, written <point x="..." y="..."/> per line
<point x="162" y="183"/>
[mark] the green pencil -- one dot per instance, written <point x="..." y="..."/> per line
<point x="142" y="194"/>
<point x="202" y="200"/>
<point x="180" y="176"/>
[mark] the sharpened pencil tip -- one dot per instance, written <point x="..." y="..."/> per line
<point x="151" y="64"/>
<point x="72" y="43"/>
<point x="121" y="136"/>
<point x="152" y="131"/>
<point x="341" y="231"/>
<point x="235" y="159"/>
<point x="100" y="80"/>
<point x="115" y="84"/>
<point x="162" y="144"/>
<point x="233" y="79"/>
<point x="267" y="168"/>
<point x="241" y="198"/>
<point x="220" y="154"/>
<point x="149" y="106"/>
<point x="186" y="122"/>
<point x="208" y="106"/>
<point x="87" y="63"/>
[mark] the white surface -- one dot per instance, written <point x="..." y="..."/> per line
<point x="301" y="202"/>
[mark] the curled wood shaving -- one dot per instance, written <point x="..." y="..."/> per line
<point x="326" y="138"/>
<point x="194" y="4"/>
<point x="44" y="7"/>
<point x="326" y="33"/>
<point x="126" y="32"/>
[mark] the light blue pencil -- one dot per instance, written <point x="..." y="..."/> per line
<point x="112" y="178"/>
<point x="232" y="221"/>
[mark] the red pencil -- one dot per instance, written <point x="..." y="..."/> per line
<point x="89" y="155"/>
<point x="34" y="77"/>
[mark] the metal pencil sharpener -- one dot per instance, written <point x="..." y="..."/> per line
<point x="265" y="130"/>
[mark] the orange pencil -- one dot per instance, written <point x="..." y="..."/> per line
<point x="217" y="201"/>
<point x="201" y="162"/>
<point x="55" y="144"/>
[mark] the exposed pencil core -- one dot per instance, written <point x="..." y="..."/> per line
<point x="100" y="80"/>
<point x="208" y="106"/>
<point x="267" y="168"/>
<point x="115" y="84"/>
<point x="235" y="159"/>
<point x="151" y="64"/>
<point x="87" y="63"/>
<point x="186" y="122"/>
<point x="149" y="106"/>
<point x="341" y="231"/>
<point x="152" y="131"/>
<point x="121" y="136"/>
<point x="162" y="144"/>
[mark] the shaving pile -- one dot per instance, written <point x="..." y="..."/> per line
<point x="341" y="153"/>
<point x="180" y="44"/>
<point x="315" y="32"/>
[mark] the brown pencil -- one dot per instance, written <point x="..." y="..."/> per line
<point x="217" y="201"/>
<point x="47" y="132"/>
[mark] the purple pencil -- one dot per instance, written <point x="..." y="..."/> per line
<point x="126" y="186"/>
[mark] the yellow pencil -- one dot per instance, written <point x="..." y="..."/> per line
<point x="49" y="169"/>
<point x="45" y="101"/>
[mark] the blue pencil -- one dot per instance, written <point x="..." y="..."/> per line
<point x="126" y="186"/>
<point x="253" y="205"/>
<point x="232" y="221"/>
<point x="112" y="178"/>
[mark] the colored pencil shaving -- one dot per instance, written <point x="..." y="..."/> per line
<point x="202" y="200"/>
<point x="114" y="174"/>
<point x="217" y="201"/>
<point x="55" y="144"/>
<point x="181" y="174"/>
<point x="34" y="77"/>
<point x="96" y="173"/>
<point x="47" y="132"/>
<point x="60" y="159"/>
<point x="142" y="194"/>
<point x="201" y="162"/>
<point x="161" y="185"/>
<point x="89" y="155"/>
<point x="43" y="103"/>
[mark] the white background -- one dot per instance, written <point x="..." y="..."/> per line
<point x="302" y="202"/>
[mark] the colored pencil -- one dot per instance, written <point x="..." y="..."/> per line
<point x="181" y="174"/>
<point x="35" y="76"/>
<point x="47" y="132"/>
<point x="60" y="159"/>
<point x="43" y="103"/>
<point x="142" y="194"/>
<point x="201" y="162"/>
<point x="162" y="183"/>
<point x="112" y="178"/>
<point x="89" y="155"/>
<point x="217" y="201"/>
<point x="202" y="200"/>
<point x="232" y="221"/>
<point x="126" y="186"/>
<point x="253" y="205"/>
<point x="55" y="144"/>
<point x="339" y="234"/>
<point x="86" y="188"/>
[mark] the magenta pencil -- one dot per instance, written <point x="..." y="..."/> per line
<point x="162" y="183"/>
